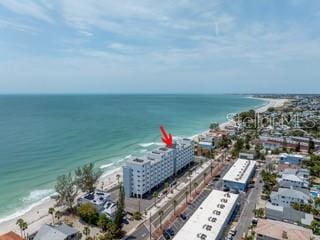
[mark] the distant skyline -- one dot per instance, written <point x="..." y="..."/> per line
<point x="182" y="46"/>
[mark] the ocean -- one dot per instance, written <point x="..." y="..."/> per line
<point x="44" y="136"/>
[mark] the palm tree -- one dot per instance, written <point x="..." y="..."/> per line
<point x="155" y="196"/>
<point x="211" y="166"/>
<point x="118" y="178"/>
<point x="174" y="206"/>
<point x="195" y="185"/>
<point x="204" y="177"/>
<point x="160" y="216"/>
<point x="187" y="193"/>
<point x="166" y="186"/>
<point x="58" y="215"/>
<point x="86" y="231"/>
<point x="24" y="228"/>
<point x="201" y="162"/>
<point x="190" y="174"/>
<point x="51" y="211"/>
<point x="19" y="223"/>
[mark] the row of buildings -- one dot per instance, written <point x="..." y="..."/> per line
<point x="281" y="220"/>
<point x="143" y="174"/>
<point x="293" y="143"/>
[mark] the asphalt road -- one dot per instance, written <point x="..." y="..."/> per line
<point x="248" y="202"/>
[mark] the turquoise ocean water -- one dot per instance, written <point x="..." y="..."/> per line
<point x="44" y="136"/>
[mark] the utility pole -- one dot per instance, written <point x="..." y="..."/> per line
<point x="150" y="225"/>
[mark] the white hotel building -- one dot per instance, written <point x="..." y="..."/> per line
<point x="142" y="174"/>
<point x="211" y="218"/>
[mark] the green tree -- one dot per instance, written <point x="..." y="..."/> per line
<point x="175" y="202"/>
<point x="259" y="212"/>
<point x="66" y="190"/>
<point x="118" y="179"/>
<point x="166" y="186"/>
<point x="204" y="177"/>
<point x="238" y="146"/>
<point x="104" y="223"/>
<point x="311" y="145"/>
<point x="24" y="228"/>
<point x="137" y="216"/>
<point x="58" y="215"/>
<point x="155" y="197"/>
<point x="86" y="177"/>
<point x="195" y="185"/>
<point x="88" y="213"/>
<point x="315" y="226"/>
<point x="51" y="212"/>
<point x="119" y="213"/>
<point x="225" y="142"/>
<point x="86" y="231"/>
<point x="160" y="217"/>
<point x="214" y="126"/>
<point x="20" y="223"/>
<point x="186" y="195"/>
<point x="106" y="236"/>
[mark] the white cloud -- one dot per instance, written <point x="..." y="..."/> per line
<point x="14" y="25"/>
<point x="28" y="8"/>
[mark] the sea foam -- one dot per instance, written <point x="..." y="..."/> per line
<point x="35" y="198"/>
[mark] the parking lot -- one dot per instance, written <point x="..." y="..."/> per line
<point x="179" y="222"/>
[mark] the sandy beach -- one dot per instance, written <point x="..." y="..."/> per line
<point x="38" y="215"/>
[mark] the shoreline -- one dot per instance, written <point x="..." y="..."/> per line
<point x="37" y="214"/>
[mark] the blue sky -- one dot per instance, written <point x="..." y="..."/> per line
<point x="180" y="46"/>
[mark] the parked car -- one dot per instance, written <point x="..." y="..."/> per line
<point x="166" y="235"/>
<point x="226" y="189"/>
<point x="170" y="232"/>
<point x="183" y="217"/>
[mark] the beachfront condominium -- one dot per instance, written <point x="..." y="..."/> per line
<point x="142" y="174"/>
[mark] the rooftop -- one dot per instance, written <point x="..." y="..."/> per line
<point x="281" y="230"/>
<point x="216" y="207"/>
<point x="96" y="198"/>
<point x="58" y="232"/>
<point x="291" y="155"/>
<point x="10" y="236"/>
<point x="292" y="192"/>
<point x="240" y="171"/>
<point x="288" y="213"/>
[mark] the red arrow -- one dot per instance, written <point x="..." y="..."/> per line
<point x="165" y="138"/>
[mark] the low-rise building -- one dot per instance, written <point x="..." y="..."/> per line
<point x="250" y="155"/>
<point x="239" y="175"/>
<point x="208" y="141"/>
<point x="296" y="178"/>
<point x="286" y="158"/>
<point x="291" y="180"/>
<point x="300" y="172"/>
<point x="274" y="230"/>
<point x="210" y="220"/>
<point x="142" y="174"/>
<point x="57" y="232"/>
<point x="285" y="197"/>
<point x="287" y="214"/>
<point x="101" y="201"/>
<point x="97" y="199"/>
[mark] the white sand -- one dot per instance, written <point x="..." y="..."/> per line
<point x="38" y="215"/>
